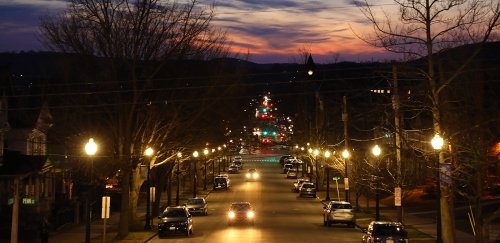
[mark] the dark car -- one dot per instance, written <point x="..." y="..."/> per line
<point x="384" y="231"/>
<point x="197" y="205"/>
<point x="307" y="189"/>
<point x="240" y="212"/>
<point x="339" y="212"/>
<point x="221" y="182"/>
<point x="175" y="220"/>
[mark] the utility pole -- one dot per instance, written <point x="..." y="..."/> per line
<point x="346" y="146"/>
<point x="397" y="124"/>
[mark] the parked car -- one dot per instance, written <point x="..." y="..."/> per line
<point x="252" y="175"/>
<point x="307" y="189"/>
<point x="298" y="183"/>
<point x="240" y="212"/>
<point x="221" y="182"/>
<point x="339" y="212"/>
<point x="284" y="158"/>
<point x="291" y="173"/>
<point x="238" y="163"/>
<point x="233" y="169"/>
<point x="237" y="158"/>
<point x="385" y="231"/>
<point x="175" y="220"/>
<point x="286" y="167"/>
<point x="197" y="205"/>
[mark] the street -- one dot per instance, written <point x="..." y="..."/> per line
<point x="281" y="216"/>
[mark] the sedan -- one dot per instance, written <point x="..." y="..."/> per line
<point x="233" y="169"/>
<point x="240" y="212"/>
<point x="298" y="183"/>
<point x="175" y="220"/>
<point x="385" y="231"/>
<point x="197" y="205"/>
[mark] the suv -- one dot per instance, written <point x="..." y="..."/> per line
<point x="197" y="205"/>
<point x="175" y="220"/>
<point x="307" y="189"/>
<point x="339" y="212"/>
<point x="221" y="182"/>
<point x="384" y="231"/>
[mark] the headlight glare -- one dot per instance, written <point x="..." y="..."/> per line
<point x="250" y="214"/>
<point x="231" y="215"/>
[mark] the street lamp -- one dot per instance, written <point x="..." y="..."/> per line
<point x="437" y="143"/>
<point x="346" y="155"/>
<point x="195" y="155"/>
<point x="376" y="151"/>
<point x="90" y="150"/>
<point x="303" y="169"/>
<point x="148" y="153"/>
<point x="179" y="156"/>
<point x="327" y="155"/>
<point x="205" y="152"/>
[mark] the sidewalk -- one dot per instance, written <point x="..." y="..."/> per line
<point x="75" y="233"/>
<point x="420" y="229"/>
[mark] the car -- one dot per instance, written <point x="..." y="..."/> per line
<point x="175" y="220"/>
<point x="284" y="158"/>
<point x="252" y="175"/>
<point x="221" y="182"/>
<point x="291" y="173"/>
<point x="237" y="158"/>
<point x="197" y="205"/>
<point x="238" y="163"/>
<point x="240" y="212"/>
<point x="233" y="169"/>
<point x="307" y="189"/>
<point x="385" y="231"/>
<point x="339" y="212"/>
<point x="298" y="183"/>
<point x="286" y="167"/>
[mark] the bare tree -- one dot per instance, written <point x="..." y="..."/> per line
<point x="424" y="28"/>
<point x="137" y="41"/>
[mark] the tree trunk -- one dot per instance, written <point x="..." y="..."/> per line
<point x="123" y="226"/>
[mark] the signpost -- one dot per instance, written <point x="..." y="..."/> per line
<point x="336" y="179"/>
<point x="105" y="214"/>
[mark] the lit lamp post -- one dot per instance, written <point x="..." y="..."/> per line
<point x="303" y="169"/>
<point x="205" y="152"/>
<point x="327" y="168"/>
<point x="310" y="150"/>
<point x="219" y="160"/>
<point x="437" y="143"/>
<point x="195" y="155"/>
<point x="148" y="153"/>
<point x="376" y="151"/>
<point x="178" y="172"/>
<point x="346" y="155"/>
<point x="90" y="150"/>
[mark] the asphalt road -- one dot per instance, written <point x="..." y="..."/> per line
<point x="281" y="216"/>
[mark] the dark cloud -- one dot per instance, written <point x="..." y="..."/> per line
<point x="356" y="3"/>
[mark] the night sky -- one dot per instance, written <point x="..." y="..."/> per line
<point x="272" y="31"/>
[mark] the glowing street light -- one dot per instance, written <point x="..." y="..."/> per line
<point x="148" y="153"/>
<point x="90" y="150"/>
<point x="376" y="151"/>
<point x="346" y="155"/>
<point x="437" y="143"/>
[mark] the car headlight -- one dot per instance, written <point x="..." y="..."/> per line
<point x="248" y="175"/>
<point x="231" y="215"/>
<point x="255" y="175"/>
<point x="250" y="214"/>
